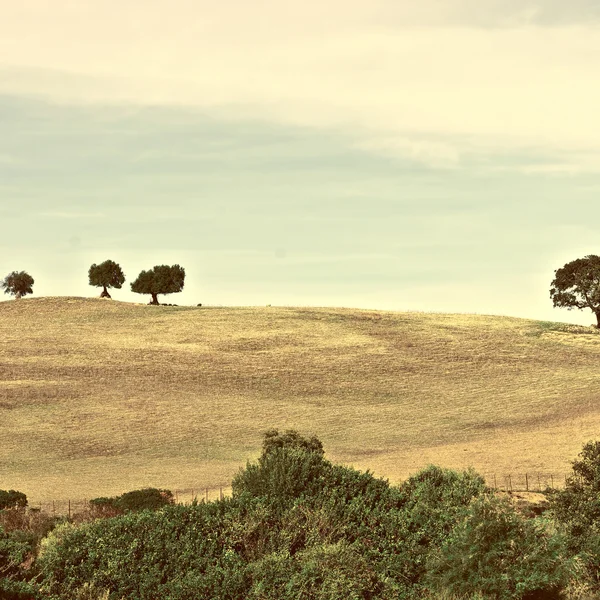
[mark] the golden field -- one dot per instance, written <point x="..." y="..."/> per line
<point x="98" y="397"/>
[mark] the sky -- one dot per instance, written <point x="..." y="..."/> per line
<point x="434" y="156"/>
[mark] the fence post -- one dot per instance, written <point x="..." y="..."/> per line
<point x="69" y="508"/>
<point x="552" y="480"/>
<point x="495" y="484"/>
<point x="510" y="483"/>
<point x="539" y="484"/>
<point x="221" y="493"/>
<point x="206" y="492"/>
<point x="526" y="483"/>
<point x="176" y="497"/>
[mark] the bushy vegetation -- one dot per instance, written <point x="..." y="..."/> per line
<point x="136" y="500"/>
<point x="12" y="499"/>
<point x="495" y="552"/>
<point x="577" y="508"/>
<point x="300" y="527"/>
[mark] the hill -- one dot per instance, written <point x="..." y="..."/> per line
<point x="98" y="397"/>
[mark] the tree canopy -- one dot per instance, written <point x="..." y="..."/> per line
<point x="105" y="275"/>
<point x="18" y="283"/>
<point x="577" y="285"/>
<point x="162" y="279"/>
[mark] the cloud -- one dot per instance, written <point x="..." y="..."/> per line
<point x="435" y="154"/>
<point x="370" y="70"/>
<point x="517" y="13"/>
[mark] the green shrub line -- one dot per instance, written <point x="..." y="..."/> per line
<point x="300" y="527"/>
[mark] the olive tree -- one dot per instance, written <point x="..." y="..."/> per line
<point x="18" y="283"/>
<point x="161" y="279"/>
<point x="577" y="285"/>
<point x="105" y="275"/>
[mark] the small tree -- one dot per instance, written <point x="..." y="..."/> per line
<point x="105" y="275"/>
<point x="577" y="285"/>
<point x="291" y="439"/>
<point x="18" y="283"/>
<point x="161" y="279"/>
<point x="12" y="499"/>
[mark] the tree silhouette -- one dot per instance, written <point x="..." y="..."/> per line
<point x="577" y="285"/>
<point x="18" y="283"/>
<point x="162" y="279"/>
<point x="105" y="275"/>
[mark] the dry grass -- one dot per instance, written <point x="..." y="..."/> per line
<point x="98" y="397"/>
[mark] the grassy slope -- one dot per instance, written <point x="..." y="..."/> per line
<point x="98" y="397"/>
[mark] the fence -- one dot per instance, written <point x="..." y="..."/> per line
<point x="70" y="507"/>
<point x="511" y="482"/>
<point x="527" y="482"/>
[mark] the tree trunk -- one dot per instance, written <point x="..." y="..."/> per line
<point x="598" y="319"/>
<point x="104" y="293"/>
<point x="154" y="299"/>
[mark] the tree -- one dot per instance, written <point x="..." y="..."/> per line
<point x="12" y="499"/>
<point x="161" y="279"/>
<point x="105" y="275"/>
<point x="577" y="285"/>
<point x="18" y="283"/>
<point x="291" y="439"/>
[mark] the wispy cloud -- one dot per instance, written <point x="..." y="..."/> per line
<point x="390" y="73"/>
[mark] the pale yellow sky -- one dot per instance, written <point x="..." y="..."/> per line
<point x="488" y="74"/>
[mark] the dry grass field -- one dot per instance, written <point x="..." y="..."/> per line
<point x="98" y="397"/>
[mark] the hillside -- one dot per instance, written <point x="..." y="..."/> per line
<point x="99" y="396"/>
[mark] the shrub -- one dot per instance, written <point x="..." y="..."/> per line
<point x="180" y="552"/>
<point x="281" y="475"/>
<point x="13" y="552"/>
<point x="497" y="553"/>
<point x="291" y="439"/>
<point x="324" y="572"/>
<point x="136" y="500"/>
<point x="577" y="508"/>
<point x="12" y="499"/>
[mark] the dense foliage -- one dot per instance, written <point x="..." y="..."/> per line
<point x="577" y="508"/>
<point x="18" y="284"/>
<point x="496" y="552"/>
<point x="162" y="279"/>
<point x="577" y="285"/>
<point x="299" y="526"/>
<point x="105" y="275"/>
<point x="136" y="500"/>
<point x="12" y="499"/>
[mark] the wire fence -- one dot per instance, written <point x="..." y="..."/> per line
<point x="509" y="482"/>
<point x="527" y="482"/>
<point x="70" y="507"/>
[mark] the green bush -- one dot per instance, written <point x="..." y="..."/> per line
<point x="299" y="527"/>
<point x="13" y="552"/>
<point x="325" y="572"/>
<point x="577" y="508"/>
<point x="147" y="555"/>
<point x="291" y="439"/>
<point x="145" y="499"/>
<point x="497" y="553"/>
<point x="281" y="475"/>
<point x="12" y="499"/>
<point x="17" y="590"/>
